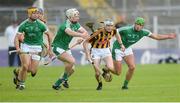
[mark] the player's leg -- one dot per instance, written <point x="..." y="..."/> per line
<point x="117" y="66"/>
<point x="34" y="64"/>
<point x="69" y="61"/>
<point x="96" y="67"/>
<point x="109" y="64"/>
<point x="35" y="59"/>
<point x="25" y="59"/>
<point x="130" y="61"/>
<point x="69" y="73"/>
<point x="117" y="56"/>
<point x="16" y="72"/>
<point x="96" y="58"/>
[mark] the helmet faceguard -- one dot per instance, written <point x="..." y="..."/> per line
<point x="108" y="22"/>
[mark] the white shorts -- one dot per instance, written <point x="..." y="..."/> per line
<point x="119" y="54"/>
<point x="100" y="53"/>
<point x="32" y="49"/>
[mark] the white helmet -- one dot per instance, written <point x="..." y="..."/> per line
<point x="108" y="22"/>
<point x="73" y="12"/>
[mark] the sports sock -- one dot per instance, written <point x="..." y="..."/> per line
<point x="126" y="83"/>
<point x="58" y="82"/>
<point x="65" y="76"/>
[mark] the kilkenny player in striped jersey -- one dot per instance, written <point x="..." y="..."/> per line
<point x="100" y="48"/>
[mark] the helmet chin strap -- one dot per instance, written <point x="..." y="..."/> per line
<point x="73" y="22"/>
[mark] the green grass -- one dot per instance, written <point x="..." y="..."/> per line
<point x="150" y="83"/>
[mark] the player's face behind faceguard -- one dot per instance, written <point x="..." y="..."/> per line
<point x="40" y="13"/>
<point x="73" y="15"/>
<point x="108" y="24"/>
<point x="32" y="13"/>
<point x="139" y="23"/>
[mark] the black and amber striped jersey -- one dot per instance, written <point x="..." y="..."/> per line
<point x="101" y="38"/>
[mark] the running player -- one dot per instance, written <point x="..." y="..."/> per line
<point x="69" y="29"/>
<point x="40" y="14"/>
<point x="31" y="46"/>
<point x="130" y="35"/>
<point x="100" y="48"/>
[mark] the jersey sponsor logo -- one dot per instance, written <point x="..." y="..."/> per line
<point x="133" y="36"/>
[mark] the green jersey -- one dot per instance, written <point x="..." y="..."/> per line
<point x="33" y="32"/>
<point x="62" y="39"/>
<point x="129" y="36"/>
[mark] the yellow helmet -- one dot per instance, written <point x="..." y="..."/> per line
<point x="32" y="10"/>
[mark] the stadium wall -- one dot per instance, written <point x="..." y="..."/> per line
<point x="142" y="56"/>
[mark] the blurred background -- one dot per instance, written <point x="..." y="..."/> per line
<point x="162" y="16"/>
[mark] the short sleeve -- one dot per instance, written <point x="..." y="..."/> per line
<point x="21" y="29"/>
<point x="146" y="32"/>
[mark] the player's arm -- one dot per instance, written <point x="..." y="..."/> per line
<point x="76" y="34"/>
<point x="19" y="37"/>
<point x="50" y="38"/>
<point x="86" y="49"/>
<point x="16" y="41"/>
<point x="87" y="41"/>
<point x="162" y="36"/>
<point x="118" y="37"/>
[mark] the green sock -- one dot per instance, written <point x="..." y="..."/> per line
<point x="126" y="83"/>
<point x="58" y="82"/>
<point x="65" y="76"/>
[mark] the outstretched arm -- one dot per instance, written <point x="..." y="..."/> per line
<point x="163" y="36"/>
<point x="80" y="33"/>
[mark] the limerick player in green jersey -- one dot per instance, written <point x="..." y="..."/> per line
<point x="130" y="35"/>
<point x="30" y="48"/>
<point x="69" y="29"/>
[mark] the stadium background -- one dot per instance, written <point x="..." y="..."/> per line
<point x="162" y="16"/>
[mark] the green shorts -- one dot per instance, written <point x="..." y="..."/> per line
<point x="58" y="51"/>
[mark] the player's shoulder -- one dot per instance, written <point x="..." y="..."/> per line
<point x="40" y="22"/>
<point x="23" y="23"/>
<point x="62" y="25"/>
<point x="145" y="30"/>
<point x="125" y="28"/>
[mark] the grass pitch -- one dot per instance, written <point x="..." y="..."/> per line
<point x="150" y="83"/>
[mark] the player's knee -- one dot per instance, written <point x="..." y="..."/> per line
<point x="131" y="67"/>
<point x="25" y="67"/>
<point x="97" y="73"/>
<point x="118" y="69"/>
<point x="33" y="71"/>
<point x="118" y="73"/>
<point x="72" y="62"/>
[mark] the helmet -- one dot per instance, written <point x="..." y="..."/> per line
<point x="108" y="22"/>
<point x="32" y="10"/>
<point x="73" y="12"/>
<point x="40" y="10"/>
<point x="139" y="21"/>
